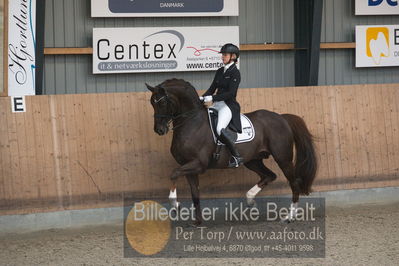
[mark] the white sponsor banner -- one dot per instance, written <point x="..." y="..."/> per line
<point x="377" y="46"/>
<point x="21" y="47"/>
<point x="163" y="8"/>
<point x="377" y="7"/>
<point x="140" y="50"/>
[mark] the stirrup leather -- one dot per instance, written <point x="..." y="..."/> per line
<point x="216" y="154"/>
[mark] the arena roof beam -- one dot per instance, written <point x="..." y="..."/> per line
<point x="307" y="20"/>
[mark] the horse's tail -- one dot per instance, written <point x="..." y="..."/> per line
<point x="305" y="162"/>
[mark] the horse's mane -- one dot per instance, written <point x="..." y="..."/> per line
<point x="179" y="86"/>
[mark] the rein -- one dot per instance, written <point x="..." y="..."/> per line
<point x="171" y="118"/>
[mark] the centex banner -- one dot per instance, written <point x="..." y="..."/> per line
<point x="139" y="50"/>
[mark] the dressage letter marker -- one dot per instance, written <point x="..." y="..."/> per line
<point x="18" y="104"/>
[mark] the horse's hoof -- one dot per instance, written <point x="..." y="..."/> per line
<point x="251" y="203"/>
<point x="175" y="211"/>
<point x="286" y="220"/>
<point x="196" y="224"/>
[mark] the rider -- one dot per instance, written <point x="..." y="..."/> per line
<point x="226" y="82"/>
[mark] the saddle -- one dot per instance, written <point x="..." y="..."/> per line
<point x="248" y="132"/>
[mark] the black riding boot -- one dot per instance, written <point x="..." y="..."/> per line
<point x="229" y="140"/>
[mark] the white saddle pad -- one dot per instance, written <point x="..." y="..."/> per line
<point x="248" y="130"/>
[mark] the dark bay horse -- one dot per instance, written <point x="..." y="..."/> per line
<point x="176" y="101"/>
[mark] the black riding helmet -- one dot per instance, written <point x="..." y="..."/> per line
<point x="231" y="49"/>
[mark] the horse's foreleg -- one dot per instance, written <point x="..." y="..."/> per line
<point x="190" y="168"/>
<point x="194" y="185"/>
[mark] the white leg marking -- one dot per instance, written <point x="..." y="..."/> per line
<point x="173" y="199"/>
<point x="251" y="194"/>
<point x="293" y="212"/>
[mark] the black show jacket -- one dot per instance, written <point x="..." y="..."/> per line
<point x="226" y="85"/>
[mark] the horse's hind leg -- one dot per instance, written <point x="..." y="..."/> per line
<point x="288" y="169"/>
<point x="266" y="176"/>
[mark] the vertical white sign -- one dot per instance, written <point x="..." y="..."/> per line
<point x="21" y="47"/>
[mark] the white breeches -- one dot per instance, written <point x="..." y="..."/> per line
<point x="224" y="115"/>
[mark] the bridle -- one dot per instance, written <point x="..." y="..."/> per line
<point x="172" y="117"/>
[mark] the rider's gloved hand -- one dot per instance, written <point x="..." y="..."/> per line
<point x="208" y="99"/>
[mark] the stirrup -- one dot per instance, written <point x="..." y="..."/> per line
<point x="235" y="162"/>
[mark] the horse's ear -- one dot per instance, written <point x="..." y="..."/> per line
<point x="152" y="89"/>
<point x="161" y="90"/>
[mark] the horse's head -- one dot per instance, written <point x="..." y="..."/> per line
<point x="163" y="109"/>
<point x="173" y="99"/>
